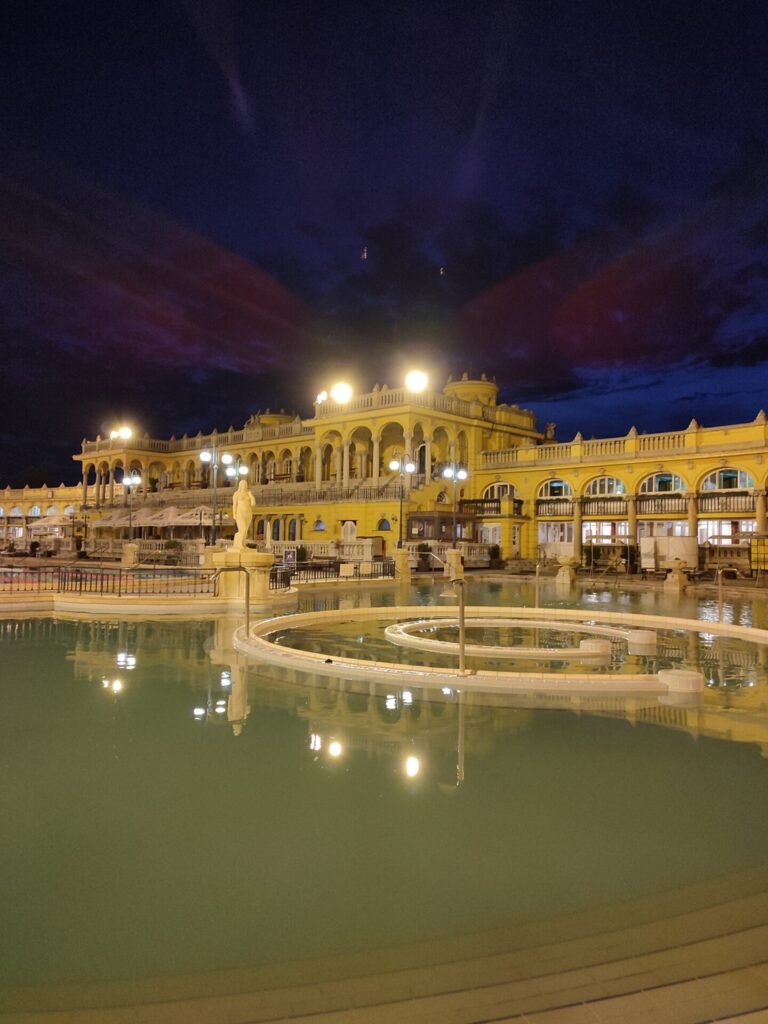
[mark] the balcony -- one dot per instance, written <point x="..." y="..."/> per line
<point x="604" y="507"/>
<point x="561" y="507"/>
<point x="736" y="501"/>
<point x="480" y="507"/>
<point x="662" y="504"/>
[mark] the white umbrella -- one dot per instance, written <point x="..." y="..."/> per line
<point x="111" y="521"/>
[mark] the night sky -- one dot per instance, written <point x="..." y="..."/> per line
<point x="572" y="196"/>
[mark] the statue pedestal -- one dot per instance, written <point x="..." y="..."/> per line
<point x="402" y="568"/>
<point x="676" y="581"/>
<point x="566" y="574"/>
<point x="130" y="555"/>
<point x="454" y="568"/>
<point x="232" y="584"/>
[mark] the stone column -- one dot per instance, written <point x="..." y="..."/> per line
<point x="428" y="460"/>
<point x="407" y="445"/>
<point x="577" y="550"/>
<point x="376" y="460"/>
<point x="345" y="464"/>
<point x="337" y="464"/>
<point x="97" y="490"/>
<point x="111" y="485"/>
<point x="693" y="516"/>
<point x="85" y="487"/>
<point x="318" y="467"/>
<point x="185" y="479"/>
<point x="761" y="519"/>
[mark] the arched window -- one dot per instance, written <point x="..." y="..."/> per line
<point x="292" y="530"/>
<point x="69" y="510"/>
<point x="727" y="480"/>
<point x="603" y="485"/>
<point x="318" y="525"/>
<point x="35" y="510"/>
<point x="260" y="528"/>
<point x="16" y="511"/>
<point x="2" y="512"/>
<point x="442" y="498"/>
<point x="51" y="510"/>
<point x="384" y="525"/>
<point x="662" y="483"/>
<point x="555" y="489"/>
<point x="499" y="490"/>
<point x="275" y="529"/>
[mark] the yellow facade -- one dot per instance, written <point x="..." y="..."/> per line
<point x="327" y="480"/>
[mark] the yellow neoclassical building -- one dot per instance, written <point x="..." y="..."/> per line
<point x="366" y="471"/>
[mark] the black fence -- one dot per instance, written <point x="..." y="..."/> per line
<point x="309" y="572"/>
<point x="118" y="582"/>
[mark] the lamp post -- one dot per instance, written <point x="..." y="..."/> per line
<point x="211" y="455"/>
<point x="131" y="479"/>
<point x="401" y="464"/>
<point x="454" y="472"/>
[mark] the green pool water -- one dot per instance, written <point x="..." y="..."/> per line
<point x="141" y="841"/>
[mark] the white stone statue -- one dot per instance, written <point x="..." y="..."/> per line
<point x="243" y="507"/>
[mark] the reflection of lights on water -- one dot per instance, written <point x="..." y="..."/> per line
<point x="198" y="713"/>
<point x="447" y="691"/>
<point x="335" y="749"/>
<point x="125" y="660"/>
<point x="315" y="741"/>
<point x="412" y="766"/>
<point x="226" y="679"/>
<point x="115" y="685"/>
<point x="220" y="710"/>
<point x="407" y="697"/>
<point x="390" y="702"/>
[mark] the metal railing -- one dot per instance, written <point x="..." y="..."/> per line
<point x="116" y="582"/>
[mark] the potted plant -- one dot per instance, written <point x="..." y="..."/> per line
<point x="494" y="554"/>
<point x="424" y="552"/>
<point x="172" y="552"/>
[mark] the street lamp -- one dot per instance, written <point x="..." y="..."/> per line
<point x="130" y="480"/>
<point x="212" y="456"/>
<point x="401" y="464"/>
<point x="455" y="472"/>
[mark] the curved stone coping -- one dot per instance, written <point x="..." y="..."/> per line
<point x="258" y="645"/>
<point x="402" y="634"/>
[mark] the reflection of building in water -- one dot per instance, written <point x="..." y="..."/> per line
<point x="387" y="721"/>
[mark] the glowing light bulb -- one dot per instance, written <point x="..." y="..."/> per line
<point x="341" y="392"/>
<point x="335" y="749"/>
<point x="412" y="766"/>
<point x="416" y="381"/>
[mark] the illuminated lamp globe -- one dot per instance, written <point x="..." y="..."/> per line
<point x="335" y="748"/>
<point x="242" y="470"/>
<point x="231" y="471"/>
<point x="322" y="397"/>
<point x="226" y="458"/>
<point x="205" y="456"/>
<point x="124" y="433"/>
<point x="416" y="381"/>
<point x="341" y="393"/>
<point x="412" y="767"/>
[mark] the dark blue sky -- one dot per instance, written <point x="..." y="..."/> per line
<point x="591" y="175"/>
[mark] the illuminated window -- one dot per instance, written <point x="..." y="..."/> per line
<point x="662" y="483"/>
<point x="603" y="485"/>
<point x="35" y="510"/>
<point x="727" y="480"/>
<point x="555" y="489"/>
<point x="499" y="490"/>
